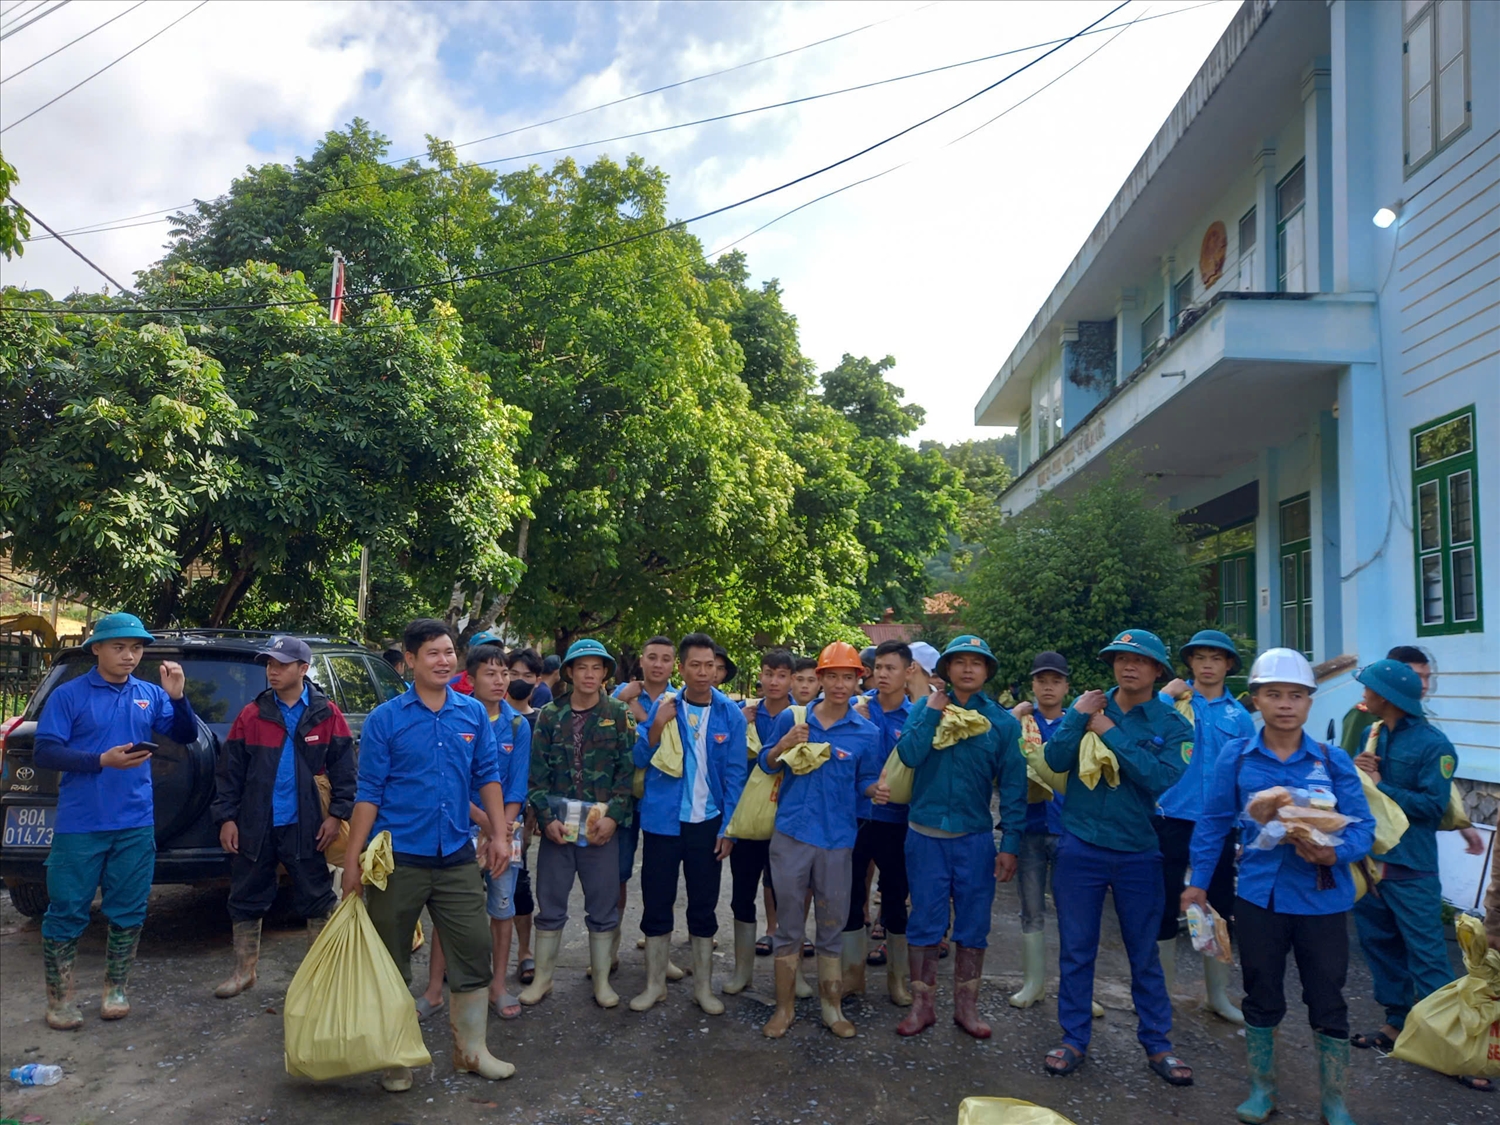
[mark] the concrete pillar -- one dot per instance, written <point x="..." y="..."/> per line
<point x="1317" y="106"/>
<point x="1356" y="125"/>
<point x="1366" y="527"/>
<point x="1127" y="335"/>
<point x="1328" y="608"/>
<point x="1267" y="556"/>
<point x="1265" y="218"/>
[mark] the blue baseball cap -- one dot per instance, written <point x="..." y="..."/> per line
<point x="118" y="627"/>
<point x="1394" y="682"/>
<point x="1212" y="638"/>
<point x="285" y="650"/>
<point x="1142" y="643"/>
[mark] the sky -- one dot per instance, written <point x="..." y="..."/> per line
<point x="940" y="263"/>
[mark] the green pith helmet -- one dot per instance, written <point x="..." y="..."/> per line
<point x="587" y="647"/>
<point x="969" y="643"/>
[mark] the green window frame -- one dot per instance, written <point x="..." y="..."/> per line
<point x="1445" y="530"/>
<point x="1295" y="553"/>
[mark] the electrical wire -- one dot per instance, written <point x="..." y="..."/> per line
<point x="126" y="223"/>
<point x="11" y="11"/>
<point x="61" y="4"/>
<point x="103" y="68"/>
<point x="70" y="42"/>
<point x="37" y="218"/>
<point x="638" y="236"/>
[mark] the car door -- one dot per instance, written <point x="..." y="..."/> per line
<point x="357" y="693"/>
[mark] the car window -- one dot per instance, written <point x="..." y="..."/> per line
<point x="390" y="684"/>
<point x="217" y="689"/>
<point x="355" y="685"/>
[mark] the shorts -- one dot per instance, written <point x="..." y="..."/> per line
<point x="500" y="894"/>
<point x="524" y="903"/>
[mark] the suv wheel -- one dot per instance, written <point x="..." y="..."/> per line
<point x="29" y="898"/>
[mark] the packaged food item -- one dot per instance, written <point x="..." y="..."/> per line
<point x="1264" y="805"/>
<point x="572" y="818"/>
<point x="1209" y="933"/>
<point x="591" y="823"/>
<point x="1327" y="821"/>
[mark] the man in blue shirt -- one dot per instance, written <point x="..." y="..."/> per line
<point x="684" y="818"/>
<point x="1291" y="897"/>
<point x="1109" y="844"/>
<point x="421" y="757"/>
<point x="882" y="840"/>
<point x="952" y="857"/>
<point x="1218" y="719"/>
<point x="91" y="730"/>
<point x="813" y="844"/>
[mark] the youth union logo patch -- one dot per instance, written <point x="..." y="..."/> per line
<point x="143" y="704"/>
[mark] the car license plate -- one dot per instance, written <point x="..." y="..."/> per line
<point x="29" y="826"/>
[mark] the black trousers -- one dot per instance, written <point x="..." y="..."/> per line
<point x="1320" y="942"/>
<point x="749" y="864"/>
<point x="885" y="843"/>
<point x="525" y="903"/>
<point x="1176" y="838"/>
<point x="252" y="882"/>
<point x="692" y="850"/>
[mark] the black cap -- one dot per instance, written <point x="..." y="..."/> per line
<point x="286" y="650"/>
<point x="551" y="663"/>
<point x="1050" y="662"/>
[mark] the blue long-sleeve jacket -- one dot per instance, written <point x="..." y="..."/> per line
<point x="1216" y="723"/>
<point x="1153" y="744"/>
<point x="818" y="808"/>
<point x="1416" y="771"/>
<point x="1278" y="878"/>
<point x="951" y="787"/>
<point x="660" y="809"/>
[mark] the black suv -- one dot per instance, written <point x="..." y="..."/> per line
<point x="222" y="676"/>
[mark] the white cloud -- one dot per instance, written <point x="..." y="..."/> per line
<point x="941" y="264"/>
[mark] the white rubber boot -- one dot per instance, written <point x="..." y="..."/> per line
<point x="703" y="977"/>
<point x="468" y="1016"/>
<point x="547" y="942"/>
<point x="744" y="959"/>
<point x="856" y="947"/>
<point x="600" y="946"/>
<point x="898" y="970"/>
<point x="805" y="991"/>
<point x="1033" y="971"/>
<point x="657" y="951"/>
<point x="1216" y="977"/>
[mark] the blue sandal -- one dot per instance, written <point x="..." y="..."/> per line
<point x="1071" y="1057"/>
<point x="1164" y="1066"/>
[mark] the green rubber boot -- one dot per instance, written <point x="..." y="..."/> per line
<point x="1260" y="1049"/>
<point x="119" y="956"/>
<point x="1333" y="1077"/>
<point x="57" y="958"/>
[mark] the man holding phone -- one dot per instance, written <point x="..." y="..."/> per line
<point x="96" y="730"/>
<point x="267" y="805"/>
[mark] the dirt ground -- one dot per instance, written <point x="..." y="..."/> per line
<point x="183" y="1056"/>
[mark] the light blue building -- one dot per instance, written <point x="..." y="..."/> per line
<point x="1290" y="312"/>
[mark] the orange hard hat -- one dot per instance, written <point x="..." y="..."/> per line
<point x="840" y="654"/>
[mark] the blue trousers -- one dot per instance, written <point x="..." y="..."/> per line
<point x="122" y="862"/>
<point x="960" y="870"/>
<point x="1400" y="930"/>
<point x="1082" y="874"/>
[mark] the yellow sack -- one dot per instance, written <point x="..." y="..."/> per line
<point x="1007" y="1111"/>
<point x="755" y="816"/>
<point x="806" y="756"/>
<point x="752" y="740"/>
<point x="1454" y="819"/>
<point x="1456" y="1030"/>
<point x="1042" y="781"/>
<point x="638" y="784"/>
<point x="957" y="724"/>
<point x="1390" y="822"/>
<point x="347" y="1011"/>
<point x="898" y="779"/>
<point x="668" y="756"/>
<point x="334" y="853"/>
<point x="1096" y="760"/>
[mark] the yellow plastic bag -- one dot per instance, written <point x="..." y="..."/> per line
<point x="1095" y="761"/>
<point x="806" y="756"/>
<point x="638" y="784"/>
<point x="334" y="853"/>
<point x="752" y="741"/>
<point x="1042" y="781"/>
<point x="347" y="1011"/>
<point x="668" y="756"/>
<point x="1454" y="819"/>
<point x="1456" y="1030"/>
<point x="898" y="778"/>
<point x="957" y="724"/>
<point x="1007" y="1111"/>
<point x="1184" y="707"/>
<point x="755" y="816"/>
<point x="1390" y="822"/>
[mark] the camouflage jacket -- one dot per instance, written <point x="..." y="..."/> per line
<point x="605" y="768"/>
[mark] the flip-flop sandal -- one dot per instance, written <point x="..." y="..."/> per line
<point x="942" y="950"/>
<point x="526" y="970"/>
<point x="1377" y="1039"/>
<point x="763" y="946"/>
<point x="877" y="932"/>
<point x="1164" y="1066"/>
<point x="808" y="949"/>
<point x="1071" y="1058"/>
<point x="426" y="1007"/>
<point x="1470" y="1081"/>
<point x="506" y="1003"/>
<point x="876" y="956"/>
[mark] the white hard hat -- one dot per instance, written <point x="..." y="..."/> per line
<point x="1282" y="666"/>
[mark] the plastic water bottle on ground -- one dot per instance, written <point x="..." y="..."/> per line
<point x="36" y="1074"/>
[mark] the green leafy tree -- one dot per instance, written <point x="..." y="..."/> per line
<point x="1072" y="570"/>
<point x="986" y="474"/>
<point x="15" y="227"/>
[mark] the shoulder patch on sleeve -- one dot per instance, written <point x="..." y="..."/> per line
<point x="1447" y="763"/>
<point x="1187" y="752"/>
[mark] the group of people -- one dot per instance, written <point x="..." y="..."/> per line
<point x="1140" y="791"/>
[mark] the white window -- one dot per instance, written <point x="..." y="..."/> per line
<point x="1023" y="432"/>
<point x="1247" y="251"/>
<point x="1291" y="196"/>
<point x="1049" y="420"/>
<point x="1435" y="74"/>
<point x="1153" y="328"/>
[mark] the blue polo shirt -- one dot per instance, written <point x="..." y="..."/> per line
<point x="818" y="808"/>
<point x="1278" y="878"/>
<point x="284" y="795"/>
<point x="422" y="767"/>
<point x="1216" y="723"/>
<point x="513" y="754"/>
<point x="1153" y="744"/>
<point x="82" y="719"/>
<point x="889" y="724"/>
<point x="1045" y="817"/>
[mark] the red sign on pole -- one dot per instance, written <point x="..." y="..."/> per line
<point x="336" y="295"/>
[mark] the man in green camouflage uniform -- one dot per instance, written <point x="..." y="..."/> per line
<point x="580" y="755"/>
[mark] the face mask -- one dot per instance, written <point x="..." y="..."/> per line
<point x="520" y="690"/>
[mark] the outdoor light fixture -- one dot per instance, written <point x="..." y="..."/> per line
<point x="1387" y="215"/>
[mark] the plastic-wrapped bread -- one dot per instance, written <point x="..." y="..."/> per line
<point x="1264" y="806"/>
<point x="591" y="823"/>
<point x="1327" y="821"/>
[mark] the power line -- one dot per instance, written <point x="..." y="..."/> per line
<point x="627" y="239"/>
<point x="10" y="12"/>
<point x="68" y="44"/>
<point x="34" y="19"/>
<point x="105" y="67"/>
<point x="124" y="223"/>
<point x="97" y="269"/>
